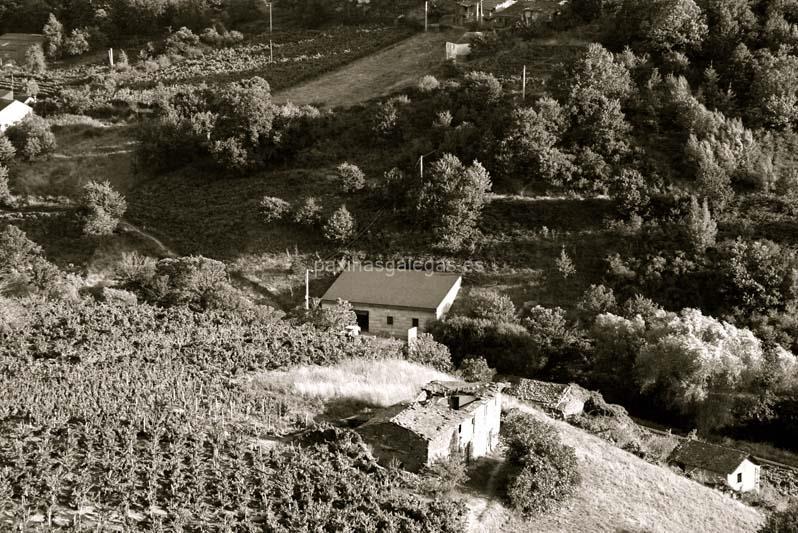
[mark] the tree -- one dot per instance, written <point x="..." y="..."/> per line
<point x="565" y="265"/>
<point x="330" y="318"/>
<point x="758" y="275"/>
<point x="424" y="350"/>
<point x="5" y="192"/>
<point x="597" y="300"/>
<point x="340" y="226"/>
<point x="101" y="208"/>
<point x="76" y="43"/>
<point x="273" y="209"/>
<point x="476" y="369"/>
<point x="676" y="25"/>
<point x="308" y="212"/>
<point x="23" y="267"/>
<point x="31" y="87"/>
<point x="34" y="60"/>
<point x="701" y="229"/>
<point x="7" y="151"/>
<point x="351" y="177"/>
<point x="53" y="33"/>
<point x="491" y="305"/>
<point x="451" y="200"/>
<point x="32" y="137"/>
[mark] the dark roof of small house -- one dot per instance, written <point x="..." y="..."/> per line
<point x="448" y="388"/>
<point x="392" y="288"/>
<point x="543" y="392"/>
<point x="711" y="457"/>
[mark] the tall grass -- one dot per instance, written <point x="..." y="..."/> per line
<point x="376" y="383"/>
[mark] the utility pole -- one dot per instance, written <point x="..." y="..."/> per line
<point x="523" y="84"/>
<point x="271" y="52"/>
<point x="307" y="289"/>
<point x="271" y="29"/>
<point x="270" y="18"/>
<point x="421" y="167"/>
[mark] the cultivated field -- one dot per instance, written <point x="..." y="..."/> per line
<point x="378" y="74"/>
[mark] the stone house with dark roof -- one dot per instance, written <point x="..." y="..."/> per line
<point x="390" y="302"/>
<point x="560" y="399"/>
<point x="717" y="465"/>
<point x="448" y="417"/>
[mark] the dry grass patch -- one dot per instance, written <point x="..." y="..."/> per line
<point x="374" y="383"/>
<point x="621" y="492"/>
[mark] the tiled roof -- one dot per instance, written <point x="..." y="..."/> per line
<point x="532" y="390"/>
<point x="711" y="457"/>
<point x="392" y="288"/>
<point x="428" y="419"/>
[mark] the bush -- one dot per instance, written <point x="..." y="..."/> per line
<point x="544" y="482"/>
<point x="32" y="137"/>
<point x="351" y="177"/>
<point x="308" y="213"/>
<point x="428" y="83"/>
<point x="782" y="521"/>
<point x="334" y="319"/>
<point x="596" y="300"/>
<point x="700" y="228"/>
<point x="273" y="209"/>
<point x="424" y="350"/>
<point x="549" y="473"/>
<point x="565" y="265"/>
<point x="7" y="151"/>
<point x="476" y="369"/>
<point x="101" y="207"/>
<point x="492" y="305"/>
<point x="340" y="227"/>
<point x="5" y="192"/>
<point x="444" y="475"/>
<point x="34" y="60"/>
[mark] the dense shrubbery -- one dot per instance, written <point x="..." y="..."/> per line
<point x="31" y="137"/>
<point x="476" y="369"/>
<point x="548" y="474"/>
<point x="424" y="350"/>
<point x="101" y="208"/>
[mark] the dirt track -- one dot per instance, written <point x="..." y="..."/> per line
<point x="390" y="69"/>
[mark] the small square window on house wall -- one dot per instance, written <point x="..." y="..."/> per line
<point x="739" y="477"/>
<point x="390" y="321"/>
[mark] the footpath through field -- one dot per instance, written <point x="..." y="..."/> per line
<point x="397" y="66"/>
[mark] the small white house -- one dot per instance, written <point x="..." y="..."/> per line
<point x="11" y="112"/>
<point x="717" y="465"/>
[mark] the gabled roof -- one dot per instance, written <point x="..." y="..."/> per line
<point x="14" y="108"/>
<point x="392" y="288"/>
<point x="711" y="457"/>
<point x="543" y="392"/>
<point x="428" y="419"/>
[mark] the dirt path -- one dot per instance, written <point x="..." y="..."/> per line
<point x="383" y="72"/>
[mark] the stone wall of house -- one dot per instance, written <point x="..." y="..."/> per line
<point x="402" y="320"/>
<point x="391" y="442"/>
<point x="475" y="436"/>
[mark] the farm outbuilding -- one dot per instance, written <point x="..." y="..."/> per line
<point x="448" y="417"/>
<point x="391" y="302"/>
<point x="717" y="465"/>
<point x="11" y="112"/>
<point x="563" y="399"/>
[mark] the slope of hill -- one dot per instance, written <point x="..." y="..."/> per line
<point x="623" y="493"/>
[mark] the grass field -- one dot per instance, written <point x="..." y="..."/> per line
<point x="384" y="72"/>
<point x="356" y="382"/>
<point x="623" y="493"/>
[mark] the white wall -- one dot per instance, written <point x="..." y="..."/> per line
<point x="448" y="300"/>
<point x="749" y="474"/>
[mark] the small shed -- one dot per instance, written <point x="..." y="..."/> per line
<point x="717" y="465"/>
<point x="391" y="302"/>
<point x="448" y="417"/>
<point x="559" y="398"/>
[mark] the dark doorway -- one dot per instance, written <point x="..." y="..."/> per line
<point x="363" y="320"/>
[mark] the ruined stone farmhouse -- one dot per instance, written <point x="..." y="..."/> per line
<point x="448" y="417"/>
